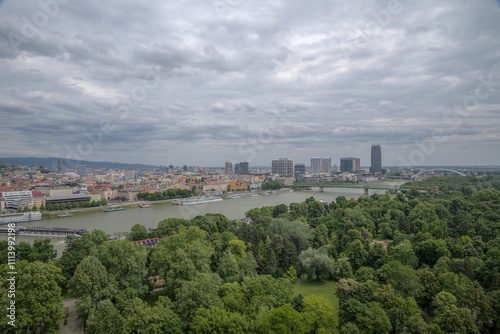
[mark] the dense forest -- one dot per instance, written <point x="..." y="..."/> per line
<point x="427" y="261"/>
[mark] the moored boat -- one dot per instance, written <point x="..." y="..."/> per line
<point x="200" y="200"/>
<point x="20" y="217"/>
<point x="114" y="209"/>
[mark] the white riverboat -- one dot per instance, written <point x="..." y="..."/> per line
<point x="20" y="217"/>
<point x="198" y="200"/>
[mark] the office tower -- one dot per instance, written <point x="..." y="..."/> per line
<point x="241" y="168"/>
<point x="229" y="167"/>
<point x="300" y="169"/>
<point x="325" y="166"/>
<point x="315" y="166"/>
<point x="282" y="167"/>
<point x="321" y="166"/>
<point x="185" y="168"/>
<point x="350" y="164"/>
<point x="60" y="165"/>
<point x="376" y="155"/>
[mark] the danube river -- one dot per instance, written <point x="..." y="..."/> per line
<point x="122" y="221"/>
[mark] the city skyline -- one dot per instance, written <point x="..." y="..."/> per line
<point x="201" y="83"/>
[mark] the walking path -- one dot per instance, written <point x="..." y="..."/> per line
<point x="73" y="325"/>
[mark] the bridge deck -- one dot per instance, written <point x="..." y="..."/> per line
<point x="348" y="185"/>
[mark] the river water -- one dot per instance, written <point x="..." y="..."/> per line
<point x="122" y="221"/>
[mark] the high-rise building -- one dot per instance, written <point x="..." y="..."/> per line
<point x="300" y="169"/>
<point x="315" y="165"/>
<point x="350" y="164"/>
<point x="321" y="166"/>
<point x="241" y="168"/>
<point x="229" y="167"/>
<point x="282" y="167"/>
<point x="376" y="155"/>
<point x="60" y="165"/>
<point x="325" y="166"/>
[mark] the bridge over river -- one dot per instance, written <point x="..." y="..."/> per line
<point x="365" y="186"/>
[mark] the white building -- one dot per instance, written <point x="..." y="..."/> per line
<point x="15" y="199"/>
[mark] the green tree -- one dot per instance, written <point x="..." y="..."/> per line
<point x="105" y="318"/>
<point x="201" y="292"/>
<point x="138" y="232"/>
<point x="90" y="284"/>
<point x="217" y="320"/>
<point x="320" y="236"/>
<point x="266" y="291"/>
<point x="346" y="288"/>
<point x="24" y="251"/>
<point x="403" y="313"/>
<point x="319" y="315"/>
<point x="38" y="300"/>
<point x="43" y="250"/>
<point x="233" y="297"/>
<point x="403" y="278"/>
<point x="342" y="269"/>
<point x="284" y="320"/>
<point x="356" y="253"/>
<point x="369" y="318"/>
<point x="315" y="263"/>
<point x="140" y="318"/>
<point x="77" y="248"/>
<point x="295" y="230"/>
<point x="125" y="263"/>
<point x="429" y="251"/>
<point x="403" y="252"/>
<point x="182" y="255"/>
<point x="169" y="226"/>
<point x="280" y="209"/>
<point x="450" y="317"/>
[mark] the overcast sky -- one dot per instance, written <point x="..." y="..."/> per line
<point x="204" y="82"/>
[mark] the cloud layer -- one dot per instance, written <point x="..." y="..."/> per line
<point x="202" y="82"/>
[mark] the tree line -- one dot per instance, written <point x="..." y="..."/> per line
<point x="167" y="194"/>
<point x="73" y="205"/>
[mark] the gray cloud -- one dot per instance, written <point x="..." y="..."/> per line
<point x="202" y="83"/>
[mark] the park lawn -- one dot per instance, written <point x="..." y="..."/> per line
<point x="326" y="289"/>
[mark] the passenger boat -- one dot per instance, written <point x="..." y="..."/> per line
<point x="200" y="200"/>
<point x="20" y="217"/>
<point x="114" y="209"/>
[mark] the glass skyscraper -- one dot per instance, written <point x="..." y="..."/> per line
<point x="376" y="166"/>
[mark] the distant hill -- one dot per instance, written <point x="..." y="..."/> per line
<point x="52" y="163"/>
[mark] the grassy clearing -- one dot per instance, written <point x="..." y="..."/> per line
<point x="326" y="289"/>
